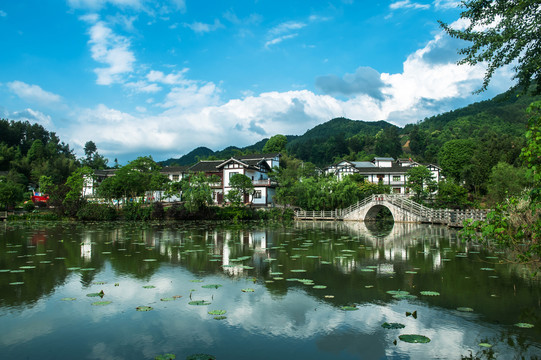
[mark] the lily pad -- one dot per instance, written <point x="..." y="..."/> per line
<point x="148" y="286"/>
<point x="414" y="338"/>
<point x="430" y="293"/>
<point x="73" y="268"/>
<point x="397" y="292"/>
<point x="196" y="280"/>
<point x="17" y="283"/>
<point x="524" y="325"/>
<point x="68" y="299"/>
<point x="221" y="317"/>
<point x="27" y="267"/>
<point x="247" y="290"/>
<point x="387" y="325"/>
<point x="150" y="260"/>
<point x="349" y="308"/>
<point x="100" y="294"/>
<point x="486" y="345"/>
<point x="167" y="299"/>
<point x="487" y="269"/>
<point x="217" y="312"/>
<point x="165" y="357"/>
<point x="320" y="287"/>
<point x="144" y="308"/>
<point x="211" y="286"/>
<point x="464" y="309"/>
<point x="298" y="270"/>
<point x="101" y="303"/>
<point x="199" y="302"/>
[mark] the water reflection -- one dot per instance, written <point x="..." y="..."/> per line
<point x="354" y="264"/>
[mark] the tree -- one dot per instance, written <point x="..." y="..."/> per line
<point x="505" y="181"/>
<point x="10" y="193"/>
<point x="275" y="144"/>
<point x="454" y="156"/>
<point x="420" y="181"/>
<point x="93" y="159"/>
<point x="196" y="192"/>
<point x="241" y="187"/>
<point x="450" y="195"/>
<point x="531" y="152"/>
<point x="502" y="32"/>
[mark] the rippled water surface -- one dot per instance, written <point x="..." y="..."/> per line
<point x="310" y="290"/>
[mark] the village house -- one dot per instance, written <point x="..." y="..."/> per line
<point x="256" y="168"/>
<point x="384" y="170"/>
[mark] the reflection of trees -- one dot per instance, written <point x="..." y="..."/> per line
<point x="356" y="263"/>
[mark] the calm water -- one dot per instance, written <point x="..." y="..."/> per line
<point x="302" y="276"/>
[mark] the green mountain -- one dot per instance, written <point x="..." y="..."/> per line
<point x="495" y="127"/>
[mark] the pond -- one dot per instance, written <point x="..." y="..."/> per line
<point x="309" y="290"/>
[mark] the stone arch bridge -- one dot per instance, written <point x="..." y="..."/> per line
<point x="403" y="209"/>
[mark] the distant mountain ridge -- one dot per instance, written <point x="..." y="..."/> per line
<point x="504" y="116"/>
<point x="334" y="127"/>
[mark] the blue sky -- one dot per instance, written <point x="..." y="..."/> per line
<point x="141" y="77"/>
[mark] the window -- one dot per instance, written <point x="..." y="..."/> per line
<point x="232" y="173"/>
<point x="175" y="177"/>
<point x="396" y="177"/>
<point x="257" y="194"/>
<point x="396" y="190"/>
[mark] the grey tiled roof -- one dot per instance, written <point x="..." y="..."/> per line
<point x="174" y="169"/>
<point x="206" y="166"/>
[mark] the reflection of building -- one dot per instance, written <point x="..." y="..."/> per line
<point x="386" y="171"/>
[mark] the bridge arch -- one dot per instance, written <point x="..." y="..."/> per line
<point x="372" y="213"/>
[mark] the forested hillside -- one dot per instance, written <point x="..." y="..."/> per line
<point x="28" y="151"/>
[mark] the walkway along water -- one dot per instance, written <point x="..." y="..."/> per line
<point x="403" y="209"/>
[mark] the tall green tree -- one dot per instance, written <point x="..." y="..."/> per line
<point x="196" y="192"/>
<point x="275" y="144"/>
<point x="10" y="193"/>
<point x="502" y="32"/>
<point x="420" y="182"/>
<point x="92" y="158"/>
<point x="506" y="181"/>
<point x="241" y="187"/>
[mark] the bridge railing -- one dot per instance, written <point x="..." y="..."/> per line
<point x="426" y="214"/>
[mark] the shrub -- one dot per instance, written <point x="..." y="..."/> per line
<point x="136" y="211"/>
<point x="157" y="212"/>
<point x="29" y="206"/>
<point x="96" y="212"/>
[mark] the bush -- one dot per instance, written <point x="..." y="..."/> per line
<point x="236" y="213"/>
<point x="276" y="214"/>
<point x="96" y="212"/>
<point x="29" y="206"/>
<point x="136" y="211"/>
<point x="157" y="212"/>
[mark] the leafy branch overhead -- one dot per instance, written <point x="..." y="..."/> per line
<point x="502" y="32"/>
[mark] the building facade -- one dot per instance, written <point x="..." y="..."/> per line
<point x="386" y="171"/>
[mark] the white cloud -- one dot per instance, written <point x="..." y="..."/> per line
<point x="143" y="87"/>
<point x="286" y="27"/>
<point x="279" y="39"/>
<point x="33" y="93"/>
<point x="32" y="116"/>
<point x="446" y="4"/>
<point x="200" y="27"/>
<point x="174" y="78"/>
<point x="192" y="96"/>
<point x="110" y="49"/>
<point x="407" y="4"/>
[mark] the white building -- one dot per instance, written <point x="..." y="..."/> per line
<point x="387" y="171"/>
